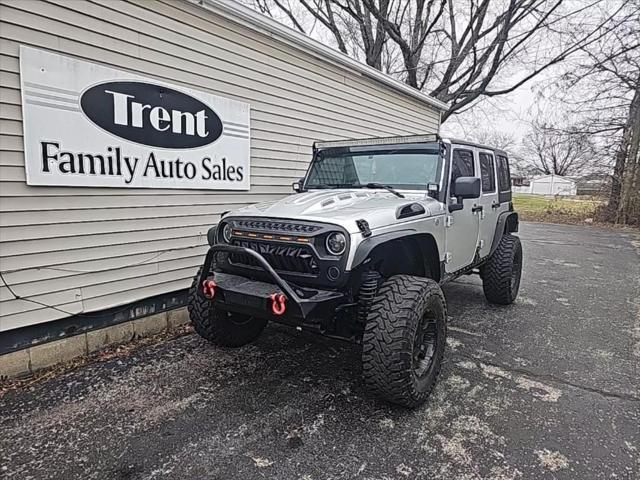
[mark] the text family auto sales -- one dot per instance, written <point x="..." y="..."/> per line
<point x="114" y="162"/>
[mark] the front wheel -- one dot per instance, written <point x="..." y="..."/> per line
<point x="220" y="327"/>
<point x="501" y="274"/>
<point x="404" y="340"/>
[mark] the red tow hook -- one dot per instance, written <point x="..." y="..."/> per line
<point x="277" y="303"/>
<point x="209" y="288"/>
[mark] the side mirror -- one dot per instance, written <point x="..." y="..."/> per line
<point x="297" y="186"/>
<point x="466" y="187"/>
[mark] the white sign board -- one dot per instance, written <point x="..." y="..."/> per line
<point x="86" y="125"/>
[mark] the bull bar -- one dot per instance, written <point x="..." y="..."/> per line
<point x="301" y="302"/>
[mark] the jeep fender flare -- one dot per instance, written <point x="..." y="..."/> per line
<point x="369" y="244"/>
<point x="507" y="223"/>
<point x="211" y="235"/>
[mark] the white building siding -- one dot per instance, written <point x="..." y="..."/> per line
<point x="552" y="185"/>
<point x="85" y="249"/>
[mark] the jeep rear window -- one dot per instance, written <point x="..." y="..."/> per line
<point x="402" y="169"/>
<point x="487" y="173"/>
<point x="504" y="179"/>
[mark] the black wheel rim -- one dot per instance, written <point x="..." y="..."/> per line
<point x="424" y="348"/>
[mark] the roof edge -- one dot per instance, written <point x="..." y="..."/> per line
<point x="468" y="143"/>
<point x="235" y="11"/>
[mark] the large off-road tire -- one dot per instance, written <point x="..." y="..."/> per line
<point x="220" y="327"/>
<point x="501" y="274"/>
<point x="404" y="340"/>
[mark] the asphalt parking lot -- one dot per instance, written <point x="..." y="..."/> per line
<point x="545" y="388"/>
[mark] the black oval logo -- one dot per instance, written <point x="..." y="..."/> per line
<point x="150" y="114"/>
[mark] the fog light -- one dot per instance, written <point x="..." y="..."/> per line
<point x="333" y="273"/>
<point x="336" y="243"/>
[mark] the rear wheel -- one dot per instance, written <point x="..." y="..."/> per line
<point x="219" y="326"/>
<point x="404" y="340"/>
<point x="501" y="274"/>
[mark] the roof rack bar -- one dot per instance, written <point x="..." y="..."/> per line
<point x="376" y="141"/>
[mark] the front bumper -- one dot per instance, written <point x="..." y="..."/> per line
<point x="236" y="293"/>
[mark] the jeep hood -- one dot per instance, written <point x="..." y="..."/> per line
<point x="342" y="207"/>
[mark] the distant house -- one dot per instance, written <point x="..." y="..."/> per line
<point x="553" y="185"/>
<point x="544" y="185"/>
<point x="594" y="184"/>
<point x="520" y="184"/>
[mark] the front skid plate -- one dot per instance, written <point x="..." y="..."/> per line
<point x="244" y="292"/>
<point x="241" y="294"/>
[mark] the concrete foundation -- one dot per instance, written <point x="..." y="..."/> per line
<point x="29" y="360"/>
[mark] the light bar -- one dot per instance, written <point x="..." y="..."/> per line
<point x="376" y="141"/>
<point x="264" y="236"/>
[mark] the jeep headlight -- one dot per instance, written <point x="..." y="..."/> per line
<point x="336" y="243"/>
<point x="226" y="232"/>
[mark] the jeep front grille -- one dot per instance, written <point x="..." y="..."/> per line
<point x="283" y="258"/>
<point x="274" y="226"/>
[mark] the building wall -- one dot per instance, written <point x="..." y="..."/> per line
<point x="552" y="185"/>
<point x="86" y="249"/>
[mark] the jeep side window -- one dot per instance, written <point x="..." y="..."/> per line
<point x="461" y="166"/>
<point x="504" y="179"/>
<point x="487" y="173"/>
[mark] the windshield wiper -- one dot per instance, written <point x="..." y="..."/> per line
<point x="386" y="187"/>
<point x="354" y="185"/>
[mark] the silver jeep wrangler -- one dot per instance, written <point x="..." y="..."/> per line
<point x="360" y="252"/>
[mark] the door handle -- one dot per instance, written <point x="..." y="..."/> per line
<point x="477" y="208"/>
<point x="495" y="204"/>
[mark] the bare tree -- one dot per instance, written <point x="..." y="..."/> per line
<point x="493" y="138"/>
<point x="265" y="7"/>
<point x="627" y="176"/>
<point x="372" y="33"/>
<point x="602" y="87"/>
<point x="344" y="20"/>
<point x="553" y="149"/>
<point x="462" y="50"/>
<point x="410" y="25"/>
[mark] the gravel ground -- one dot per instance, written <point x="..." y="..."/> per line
<point x="547" y="388"/>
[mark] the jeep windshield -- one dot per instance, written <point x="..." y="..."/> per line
<point x="402" y="169"/>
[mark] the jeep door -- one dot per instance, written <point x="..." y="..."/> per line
<point x="488" y="199"/>
<point x="463" y="224"/>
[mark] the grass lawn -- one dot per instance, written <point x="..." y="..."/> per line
<point x="541" y="208"/>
